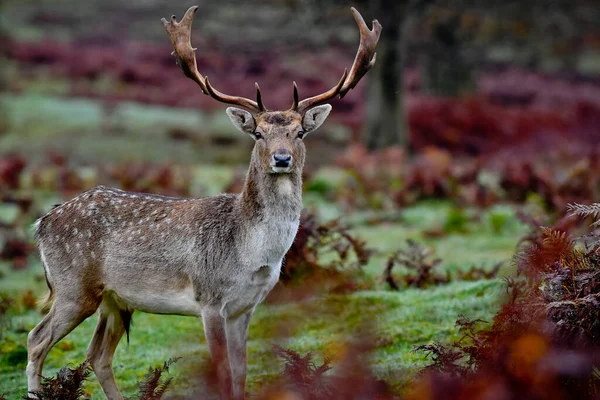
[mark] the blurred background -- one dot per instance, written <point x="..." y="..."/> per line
<point x="95" y="82"/>
<point x="475" y="112"/>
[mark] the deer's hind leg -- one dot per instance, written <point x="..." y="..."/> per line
<point x="64" y="315"/>
<point x="113" y="322"/>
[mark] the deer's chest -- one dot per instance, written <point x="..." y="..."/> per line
<point x="267" y="242"/>
<point x="262" y="254"/>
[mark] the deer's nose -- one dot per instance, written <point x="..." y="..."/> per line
<point x="282" y="159"/>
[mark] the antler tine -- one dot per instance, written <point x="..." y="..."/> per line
<point x="185" y="54"/>
<point x="240" y="101"/>
<point x="323" y="97"/>
<point x="295" y="104"/>
<point x="259" y="102"/>
<point x="363" y="62"/>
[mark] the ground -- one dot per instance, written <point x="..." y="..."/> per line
<point x="397" y="320"/>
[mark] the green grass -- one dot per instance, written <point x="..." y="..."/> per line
<point x="397" y="320"/>
<point x="40" y="120"/>
<point x="37" y="123"/>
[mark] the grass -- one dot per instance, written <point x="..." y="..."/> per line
<point x="398" y="320"/>
<point x="37" y="122"/>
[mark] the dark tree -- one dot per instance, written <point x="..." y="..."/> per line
<point x="385" y="120"/>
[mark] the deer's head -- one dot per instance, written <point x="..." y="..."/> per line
<point x="278" y="135"/>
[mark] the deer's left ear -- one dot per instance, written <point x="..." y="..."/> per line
<point x="315" y="117"/>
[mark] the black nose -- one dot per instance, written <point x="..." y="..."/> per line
<point x="282" y="160"/>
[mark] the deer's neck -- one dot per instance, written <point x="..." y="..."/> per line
<point x="271" y="195"/>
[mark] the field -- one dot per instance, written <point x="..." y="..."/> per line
<point x="469" y="215"/>
<point x="399" y="320"/>
<point x="449" y="244"/>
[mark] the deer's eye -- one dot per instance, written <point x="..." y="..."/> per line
<point x="300" y="134"/>
<point x="258" y="135"/>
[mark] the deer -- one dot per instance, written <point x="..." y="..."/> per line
<point x="216" y="258"/>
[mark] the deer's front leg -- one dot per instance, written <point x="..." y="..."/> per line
<point x="214" y="330"/>
<point x="237" y="336"/>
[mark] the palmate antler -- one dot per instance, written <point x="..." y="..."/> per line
<point x="180" y="32"/>
<point x="185" y="54"/>
<point x="363" y="62"/>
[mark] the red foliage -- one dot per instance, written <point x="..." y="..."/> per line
<point x="543" y="343"/>
<point x="474" y="125"/>
<point x="558" y="177"/>
<point x="16" y="250"/>
<point x="161" y="179"/>
<point x="148" y="72"/>
<point x="10" y="171"/>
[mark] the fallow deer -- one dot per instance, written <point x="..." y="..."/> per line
<point x="216" y="257"/>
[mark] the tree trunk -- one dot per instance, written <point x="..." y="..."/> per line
<point x="384" y="125"/>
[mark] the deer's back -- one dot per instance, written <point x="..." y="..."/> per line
<point x="133" y="242"/>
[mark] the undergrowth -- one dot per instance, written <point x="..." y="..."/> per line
<point x="543" y="343"/>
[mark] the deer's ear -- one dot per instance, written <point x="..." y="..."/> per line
<point x="315" y="117"/>
<point x="242" y="119"/>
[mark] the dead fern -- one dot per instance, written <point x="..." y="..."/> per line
<point x="67" y="385"/>
<point x="418" y="259"/>
<point x="303" y="376"/>
<point x="151" y="387"/>
<point x="327" y="255"/>
<point x="476" y="273"/>
<point x="549" y="317"/>
<point x="445" y="359"/>
<point x="553" y="247"/>
<point x="585" y="210"/>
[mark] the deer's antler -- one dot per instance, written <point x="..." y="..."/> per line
<point x="185" y="54"/>
<point x="363" y="62"/>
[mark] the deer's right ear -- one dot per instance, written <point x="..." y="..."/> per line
<point x="315" y="117"/>
<point x="242" y="119"/>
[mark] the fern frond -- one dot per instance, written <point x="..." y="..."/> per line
<point x="585" y="210"/>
